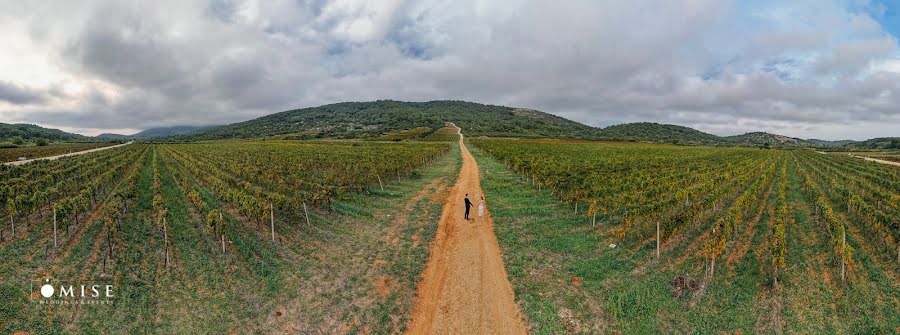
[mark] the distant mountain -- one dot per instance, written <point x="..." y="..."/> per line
<point x="660" y="133"/>
<point x="767" y="139"/>
<point x="169" y="131"/>
<point x="876" y="143"/>
<point x="376" y="118"/>
<point x="156" y="132"/>
<point x="30" y="131"/>
<point x="398" y="120"/>
<point x="826" y="143"/>
<point x="108" y="136"/>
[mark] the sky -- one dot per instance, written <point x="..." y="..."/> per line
<point x="812" y="69"/>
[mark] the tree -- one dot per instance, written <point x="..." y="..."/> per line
<point x="17" y="140"/>
<point x="41" y="142"/>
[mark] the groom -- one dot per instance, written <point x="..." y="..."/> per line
<point x="468" y="205"/>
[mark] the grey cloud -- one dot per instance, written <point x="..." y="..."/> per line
<point x="127" y="56"/>
<point x="18" y="95"/>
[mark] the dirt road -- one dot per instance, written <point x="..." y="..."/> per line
<point x="464" y="288"/>
<point x="50" y="158"/>
<point x="878" y="160"/>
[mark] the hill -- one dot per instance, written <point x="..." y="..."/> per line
<point x="668" y="133"/>
<point x="30" y="131"/>
<point x="398" y="120"/>
<point x="656" y="132"/>
<point x="826" y="143"/>
<point x="376" y="118"/>
<point x="109" y="136"/>
<point x="157" y="132"/>
<point x="768" y="139"/>
<point x="169" y="131"/>
<point x="876" y="143"/>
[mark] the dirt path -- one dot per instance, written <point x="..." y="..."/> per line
<point x="50" y="158"/>
<point x="464" y="288"/>
<point x="878" y="160"/>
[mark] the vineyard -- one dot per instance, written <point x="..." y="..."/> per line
<point x="445" y="134"/>
<point x="647" y="238"/>
<point x="318" y="236"/>
<point x="185" y="231"/>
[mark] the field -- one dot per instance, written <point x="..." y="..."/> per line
<point x="333" y="236"/>
<point x="751" y="239"/>
<point x="275" y="236"/>
<point x="11" y="154"/>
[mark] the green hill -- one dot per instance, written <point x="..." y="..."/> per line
<point x="398" y="120"/>
<point x="656" y="132"/>
<point x="876" y="143"/>
<point x="377" y="118"/>
<point x="825" y="143"/>
<point x="767" y="139"/>
<point x="30" y="132"/>
<point x="157" y="132"/>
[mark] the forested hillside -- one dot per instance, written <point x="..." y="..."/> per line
<point x="661" y="133"/>
<point x="30" y="131"/>
<point x="398" y="120"/>
<point x="373" y="119"/>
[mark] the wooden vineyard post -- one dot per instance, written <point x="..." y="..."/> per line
<point x="272" y="219"/>
<point x="13" y="224"/>
<point x="776" y="277"/>
<point x="843" y="245"/>
<point x="166" y="240"/>
<point x="54" y="227"/>
<point x="221" y="222"/>
<point x="576" y="207"/>
<point x="657" y="240"/>
<point x="306" y="213"/>
<point x="379" y="182"/>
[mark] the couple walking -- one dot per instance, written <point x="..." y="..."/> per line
<point x="480" y="208"/>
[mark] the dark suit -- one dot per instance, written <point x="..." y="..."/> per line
<point x="468" y="205"/>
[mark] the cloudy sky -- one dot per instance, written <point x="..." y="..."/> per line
<point x="818" y="68"/>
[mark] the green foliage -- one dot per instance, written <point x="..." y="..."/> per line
<point x="215" y="222"/>
<point x="17" y="140"/>
<point x="41" y="142"/>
